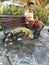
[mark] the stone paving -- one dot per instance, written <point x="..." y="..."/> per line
<point x="27" y="51"/>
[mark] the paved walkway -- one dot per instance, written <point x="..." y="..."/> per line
<point x="27" y="52"/>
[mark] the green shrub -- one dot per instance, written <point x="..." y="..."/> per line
<point x="1" y="10"/>
<point x="1" y="28"/>
<point x="14" y="10"/>
<point x="47" y="11"/>
<point x="47" y="23"/>
<point x="41" y="13"/>
<point x="21" y="10"/>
